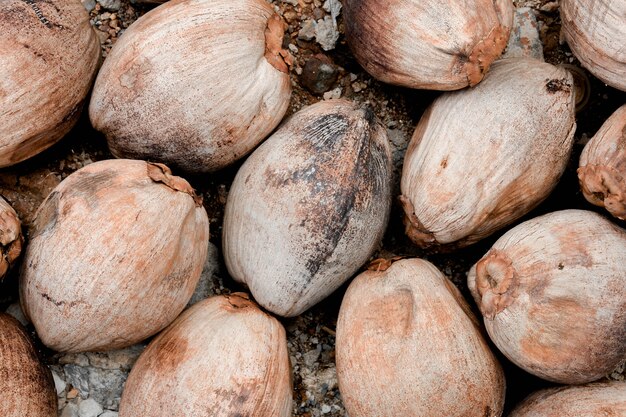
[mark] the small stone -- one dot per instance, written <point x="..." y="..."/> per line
<point x="110" y="4"/>
<point x="357" y="86"/>
<point x="59" y="383"/>
<point x="550" y="7"/>
<point x="108" y="413"/>
<point x="15" y="310"/>
<point x="524" y="40"/>
<point x="333" y="7"/>
<point x="319" y="74"/>
<point x="326" y="33"/>
<point x="106" y="386"/>
<point x="311" y="357"/>
<point x="78" y="376"/>
<point x="89" y="408"/>
<point x="293" y="48"/>
<point x="89" y="5"/>
<point x="209" y="281"/>
<point x="71" y="394"/>
<point x="333" y="94"/>
<point x="290" y="16"/>
<point x="70" y="410"/>
<point x="326" y="409"/>
<point x="307" y="30"/>
<point x="292" y="2"/>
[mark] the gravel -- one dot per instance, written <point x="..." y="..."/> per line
<point x="91" y="384"/>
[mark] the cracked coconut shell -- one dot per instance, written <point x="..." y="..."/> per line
<point x="602" y="171"/>
<point x="483" y="157"/>
<point x="602" y="399"/>
<point x="551" y="291"/>
<point x="223" y="357"/>
<point x="428" y="44"/>
<point x="115" y="253"/>
<point x="25" y="383"/>
<point x="49" y="56"/>
<point x="195" y="84"/>
<point x="309" y="206"/>
<point x="409" y="345"/>
<point x="11" y="239"/>
<point x="595" y="32"/>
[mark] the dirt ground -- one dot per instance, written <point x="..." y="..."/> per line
<point x="311" y="336"/>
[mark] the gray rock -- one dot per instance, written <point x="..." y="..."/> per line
<point x="89" y="5"/>
<point x="15" y="310"/>
<point x="78" y="376"/>
<point x="307" y="30"/>
<point x="105" y="386"/>
<point x="108" y="413"/>
<point x="310" y="357"/>
<point x="209" y="280"/>
<point x="318" y="76"/>
<point x="113" y="5"/>
<point x="100" y="376"/>
<point x="333" y="7"/>
<point x="326" y="33"/>
<point x="70" y="410"/>
<point x="524" y="40"/>
<point x="89" y="408"/>
<point x="59" y="382"/>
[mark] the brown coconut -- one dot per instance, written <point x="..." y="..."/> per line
<point x="602" y="171"/>
<point x="49" y="56"/>
<point x="11" y="239"/>
<point x="25" y="383"/>
<point x="601" y="399"/>
<point x="196" y="84"/>
<point x="309" y="206"/>
<point x="408" y="345"/>
<point x="595" y="32"/>
<point x="114" y="255"/>
<point x="551" y="291"/>
<point x="483" y="157"/>
<point x="223" y="357"/>
<point x="428" y="44"/>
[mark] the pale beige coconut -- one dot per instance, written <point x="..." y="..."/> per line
<point x="26" y="384"/>
<point x="602" y="171"/>
<point x="601" y="399"/>
<point x="11" y="239"/>
<point x="481" y="158"/>
<point x="114" y="255"/>
<point x="196" y="84"/>
<point x="223" y="357"/>
<point x="49" y="56"/>
<point x="428" y="44"/>
<point x="408" y="345"/>
<point x="595" y="32"/>
<point x="309" y="206"/>
<point x="551" y="291"/>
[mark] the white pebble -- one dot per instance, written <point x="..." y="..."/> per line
<point x="59" y="383"/>
<point x="89" y="408"/>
